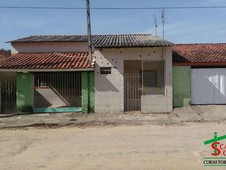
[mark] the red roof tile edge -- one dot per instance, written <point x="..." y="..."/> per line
<point x="47" y="61"/>
<point x="200" y="54"/>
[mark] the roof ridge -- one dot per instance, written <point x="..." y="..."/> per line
<point x="52" y="35"/>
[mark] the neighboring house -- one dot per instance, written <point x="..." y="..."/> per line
<point x="51" y="74"/>
<point x="199" y="74"/>
<point x="130" y="72"/>
<point x="7" y="83"/>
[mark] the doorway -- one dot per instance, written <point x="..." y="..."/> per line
<point x="7" y="93"/>
<point x="132" y="85"/>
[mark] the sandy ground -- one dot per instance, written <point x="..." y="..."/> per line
<point x="204" y="113"/>
<point x="108" y="147"/>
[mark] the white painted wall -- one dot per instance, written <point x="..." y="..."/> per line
<point x="208" y="86"/>
<point x="109" y="89"/>
<point x="49" y="47"/>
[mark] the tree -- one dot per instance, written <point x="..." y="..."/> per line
<point x="4" y="53"/>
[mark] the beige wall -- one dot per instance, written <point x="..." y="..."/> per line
<point x="49" y="47"/>
<point x="109" y="94"/>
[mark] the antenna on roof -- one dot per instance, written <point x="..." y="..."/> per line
<point x="89" y="31"/>
<point x="155" y="24"/>
<point x="163" y="22"/>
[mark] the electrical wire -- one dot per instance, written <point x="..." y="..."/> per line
<point x="114" y="8"/>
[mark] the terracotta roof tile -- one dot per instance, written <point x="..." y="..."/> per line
<point x="51" y="60"/>
<point x="199" y="53"/>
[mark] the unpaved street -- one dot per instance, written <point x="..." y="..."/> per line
<point x="108" y="147"/>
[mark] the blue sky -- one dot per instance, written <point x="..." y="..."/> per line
<point x="182" y="26"/>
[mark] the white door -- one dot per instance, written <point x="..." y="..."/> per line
<point x="208" y="86"/>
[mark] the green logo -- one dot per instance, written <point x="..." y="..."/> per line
<point x="218" y="157"/>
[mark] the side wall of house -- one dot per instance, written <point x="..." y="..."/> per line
<point x="109" y="88"/>
<point x="88" y="93"/>
<point x="49" y="47"/>
<point x="24" y="92"/>
<point x="181" y="86"/>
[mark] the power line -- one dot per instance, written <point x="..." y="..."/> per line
<point x="113" y="8"/>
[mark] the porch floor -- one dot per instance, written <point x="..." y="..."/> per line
<point x="57" y="110"/>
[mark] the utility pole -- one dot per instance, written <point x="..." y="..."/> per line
<point x="163" y="23"/>
<point x="89" y="31"/>
<point x="163" y="31"/>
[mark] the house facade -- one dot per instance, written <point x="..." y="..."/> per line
<point x="199" y="74"/>
<point x="50" y="76"/>
<point x="136" y="79"/>
<point x="133" y="73"/>
<point x="130" y="72"/>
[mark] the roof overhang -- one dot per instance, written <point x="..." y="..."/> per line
<point x="47" y="61"/>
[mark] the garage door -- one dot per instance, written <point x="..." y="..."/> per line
<point x="57" y="90"/>
<point x="208" y="86"/>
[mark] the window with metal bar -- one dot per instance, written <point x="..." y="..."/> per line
<point x="153" y="77"/>
<point x="105" y="70"/>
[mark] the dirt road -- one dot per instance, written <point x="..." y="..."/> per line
<point x="108" y="147"/>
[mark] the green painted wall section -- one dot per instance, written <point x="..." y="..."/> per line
<point x="24" y="92"/>
<point x="181" y="86"/>
<point x="85" y="92"/>
<point x="91" y="92"/>
<point x="88" y="92"/>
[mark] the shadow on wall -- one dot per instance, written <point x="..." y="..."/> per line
<point x="40" y="100"/>
<point x="112" y="81"/>
<point x="179" y="58"/>
<point x="218" y="84"/>
<point x="50" y="98"/>
<point x="107" y="82"/>
<point x="21" y="106"/>
<point x="211" y="88"/>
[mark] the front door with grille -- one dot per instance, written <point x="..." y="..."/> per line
<point x="132" y="85"/>
<point x="8" y="93"/>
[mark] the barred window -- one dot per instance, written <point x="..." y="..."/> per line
<point x="105" y="70"/>
<point x="150" y="78"/>
<point x="153" y="77"/>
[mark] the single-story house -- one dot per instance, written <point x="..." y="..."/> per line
<point x="199" y="74"/>
<point x="131" y="72"/>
